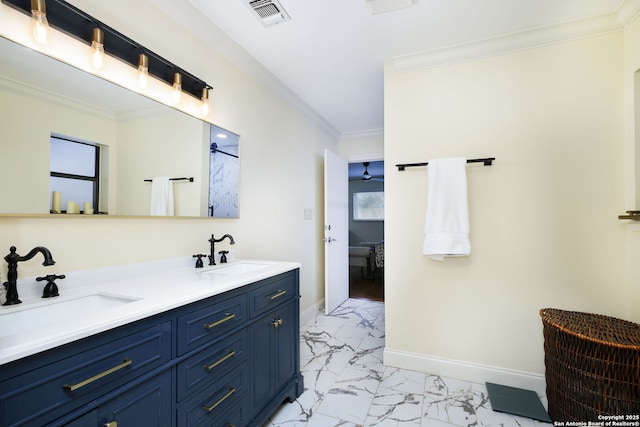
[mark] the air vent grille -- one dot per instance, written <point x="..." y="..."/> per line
<point x="269" y="12"/>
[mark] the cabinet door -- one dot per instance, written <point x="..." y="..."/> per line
<point x="286" y="343"/>
<point x="272" y="354"/>
<point x="148" y="404"/>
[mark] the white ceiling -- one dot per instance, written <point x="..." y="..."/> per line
<point x="331" y="54"/>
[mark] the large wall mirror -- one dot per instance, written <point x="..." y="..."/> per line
<point x="139" y="140"/>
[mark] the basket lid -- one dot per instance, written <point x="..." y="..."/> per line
<point x="594" y="327"/>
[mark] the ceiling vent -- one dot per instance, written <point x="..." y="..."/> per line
<point x="269" y="12"/>
<point x="383" y="6"/>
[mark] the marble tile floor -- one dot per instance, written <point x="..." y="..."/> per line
<point x="347" y="385"/>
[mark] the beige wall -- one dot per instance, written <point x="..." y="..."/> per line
<point x="632" y="144"/>
<point x="365" y="146"/>
<point x="544" y="228"/>
<point x="165" y="144"/>
<point x="281" y="173"/>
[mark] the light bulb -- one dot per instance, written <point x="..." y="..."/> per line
<point x="204" y="109"/>
<point x="39" y="22"/>
<point x="143" y="71"/>
<point x="177" y="89"/>
<point x="97" y="49"/>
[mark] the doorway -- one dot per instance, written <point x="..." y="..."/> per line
<point x="366" y="230"/>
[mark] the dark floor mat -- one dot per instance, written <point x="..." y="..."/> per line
<point x="517" y="401"/>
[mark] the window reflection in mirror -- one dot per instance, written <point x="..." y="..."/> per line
<point x="74" y="175"/>
<point x="223" y="173"/>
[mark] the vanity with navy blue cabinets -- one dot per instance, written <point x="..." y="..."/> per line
<point x="227" y="360"/>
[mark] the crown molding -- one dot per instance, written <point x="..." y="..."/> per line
<point x="513" y="42"/>
<point x="55" y="98"/>
<point x="628" y="12"/>
<point x="371" y="133"/>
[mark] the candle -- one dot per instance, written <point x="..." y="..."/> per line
<point x="88" y="209"/>
<point x="72" y="207"/>
<point x="56" y="202"/>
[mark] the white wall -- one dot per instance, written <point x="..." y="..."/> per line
<point x="544" y="228"/>
<point x="281" y="173"/>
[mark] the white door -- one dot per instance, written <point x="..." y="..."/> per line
<point x="336" y="231"/>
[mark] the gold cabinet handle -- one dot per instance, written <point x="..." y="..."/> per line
<point x="111" y="424"/>
<point x="277" y="295"/>
<point x="230" y="353"/>
<point x="222" y="399"/>
<point x="276" y="323"/>
<point x="73" y="387"/>
<point x="227" y="317"/>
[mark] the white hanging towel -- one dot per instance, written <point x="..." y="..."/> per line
<point x="446" y="228"/>
<point x="161" y="196"/>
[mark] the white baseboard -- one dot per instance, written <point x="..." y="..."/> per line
<point x="310" y="313"/>
<point x="464" y="370"/>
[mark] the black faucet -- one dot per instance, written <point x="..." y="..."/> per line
<point x="12" y="274"/>
<point x="213" y="241"/>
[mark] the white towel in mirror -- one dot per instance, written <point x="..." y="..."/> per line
<point x="161" y="196"/>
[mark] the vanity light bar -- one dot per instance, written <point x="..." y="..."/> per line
<point x="71" y="20"/>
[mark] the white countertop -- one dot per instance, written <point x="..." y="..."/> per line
<point x="149" y="288"/>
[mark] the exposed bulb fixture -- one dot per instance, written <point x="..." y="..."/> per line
<point x="204" y="109"/>
<point x="39" y="22"/>
<point x="143" y="71"/>
<point x="97" y="48"/>
<point x="177" y="88"/>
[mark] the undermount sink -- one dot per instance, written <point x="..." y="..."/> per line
<point x="47" y="314"/>
<point x="237" y="268"/>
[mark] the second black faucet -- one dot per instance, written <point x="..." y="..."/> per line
<point x="213" y="241"/>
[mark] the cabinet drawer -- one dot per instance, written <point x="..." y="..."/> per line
<point x="211" y="407"/>
<point x="208" y="366"/>
<point x="207" y="324"/>
<point x="31" y="398"/>
<point x="273" y="293"/>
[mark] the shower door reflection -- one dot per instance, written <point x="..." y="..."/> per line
<point x="223" y="173"/>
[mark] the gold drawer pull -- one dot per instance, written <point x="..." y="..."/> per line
<point x="73" y="387"/>
<point x="230" y="354"/>
<point x="276" y="323"/>
<point x="111" y="424"/>
<point x="222" y="399"/>
<point x="278" y="295"/>
<point x="229" y="316"/>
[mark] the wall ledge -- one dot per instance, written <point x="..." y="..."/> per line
<point x="467" y="371"/>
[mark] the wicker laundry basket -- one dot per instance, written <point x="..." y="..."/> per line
<point x="592" y="365"/>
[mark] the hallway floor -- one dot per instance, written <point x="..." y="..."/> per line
<point x="347" y="385"/>
<point x="361" y="287"/>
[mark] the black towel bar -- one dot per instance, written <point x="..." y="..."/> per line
<point x="487" y="162"/>
<point x="173" y="179"/>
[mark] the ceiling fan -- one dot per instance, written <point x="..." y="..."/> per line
<point x="368" y="177"/>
